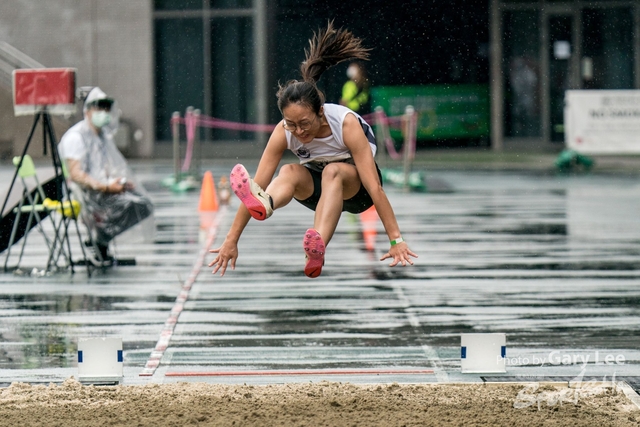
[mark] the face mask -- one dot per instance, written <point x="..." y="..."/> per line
<point x="100" y="118"/>
<point x="352" y="72"/>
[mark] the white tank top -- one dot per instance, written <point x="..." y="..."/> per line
<point x="330" y="148"/>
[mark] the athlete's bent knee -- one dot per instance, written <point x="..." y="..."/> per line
<point x="290" y="171"/>
<point x="331" y="172"/>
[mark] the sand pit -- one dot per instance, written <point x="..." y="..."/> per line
<point x="315" y="404"/>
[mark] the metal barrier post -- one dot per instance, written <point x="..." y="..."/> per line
<point x="187" y="165"/>
<point x="407" y="149"/>
<point x="197" y="147"/>
<point x="380" y="137"/>
<point x="175" y="131"/>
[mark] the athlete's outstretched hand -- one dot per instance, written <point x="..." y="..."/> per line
<point x="400" y="254"/>
<point x="228" y="252"/>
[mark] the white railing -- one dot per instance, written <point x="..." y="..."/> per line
<point x="12" y="59"/>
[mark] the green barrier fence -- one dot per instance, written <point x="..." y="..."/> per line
<point x="444" y="111"/>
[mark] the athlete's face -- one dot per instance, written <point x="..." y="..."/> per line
<point x="301" y="121"/>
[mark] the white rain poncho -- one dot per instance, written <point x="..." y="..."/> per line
<point x="100" y="163"/>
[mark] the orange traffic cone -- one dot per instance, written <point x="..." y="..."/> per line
<point x="208" y="197"/>
<point x="369" y="221"/>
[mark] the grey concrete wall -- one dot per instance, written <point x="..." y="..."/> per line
<point x="110" y="43"/>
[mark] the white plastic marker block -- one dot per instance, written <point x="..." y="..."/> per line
<point x="100" y="359"/>
<point x="483" y="353"/>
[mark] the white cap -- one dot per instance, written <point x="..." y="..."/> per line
<point x="95" y="94"/>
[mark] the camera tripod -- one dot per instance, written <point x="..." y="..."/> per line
<point x="56" y="188"/>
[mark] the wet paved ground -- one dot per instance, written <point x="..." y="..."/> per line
<point x="551" y="261"/>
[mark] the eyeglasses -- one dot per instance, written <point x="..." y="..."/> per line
<point x="303" y="126"/>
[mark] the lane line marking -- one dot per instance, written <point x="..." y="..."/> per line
<point x="367" y="224"/>
<point x="169" y="325"/>
<point x="300" y="372"/>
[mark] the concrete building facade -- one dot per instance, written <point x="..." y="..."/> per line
<point x="109" y="43"/>
<point x="227" y="57"/>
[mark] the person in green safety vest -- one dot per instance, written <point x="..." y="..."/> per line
<point x="355" y="92"/>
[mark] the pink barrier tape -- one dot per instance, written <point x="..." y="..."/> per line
<point x="394" y="121"/>
<point x="169" y="325"/>
<point x="368" y="117"/>
<point x="213" y="122"/>
<point x="380" y="118"/>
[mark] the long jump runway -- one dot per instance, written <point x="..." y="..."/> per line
<point x="551" y="261"/>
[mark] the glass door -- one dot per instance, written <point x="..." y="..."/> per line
<point x="607" y="48"/>
<point x="521" y="68"/>
<point x="561" y="54"/>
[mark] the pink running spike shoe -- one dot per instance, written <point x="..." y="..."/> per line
<point x="250" y="194"/>
<point x="314" y="249"/>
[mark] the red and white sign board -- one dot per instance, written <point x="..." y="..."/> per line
<point x="52" y="89"/>
<point x="602" y="121"/>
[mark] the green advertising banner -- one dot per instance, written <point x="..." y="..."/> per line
<point x="444" y="111"/>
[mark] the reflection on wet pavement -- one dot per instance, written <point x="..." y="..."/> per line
<point x="550" y="261"/>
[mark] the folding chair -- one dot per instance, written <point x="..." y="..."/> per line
<point x="37" y="205"/>
<point x="67" y="211"/>
<point x="70" y="210"/>
<point x="32" y="204"/>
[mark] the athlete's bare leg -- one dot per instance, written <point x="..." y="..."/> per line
<point x="292" y="181"/>
<point x="340" y="181"/>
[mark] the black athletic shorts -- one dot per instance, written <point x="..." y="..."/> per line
<point x="357" y="204"/>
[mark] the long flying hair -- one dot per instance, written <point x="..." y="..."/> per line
<point x="327" y="48"/>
